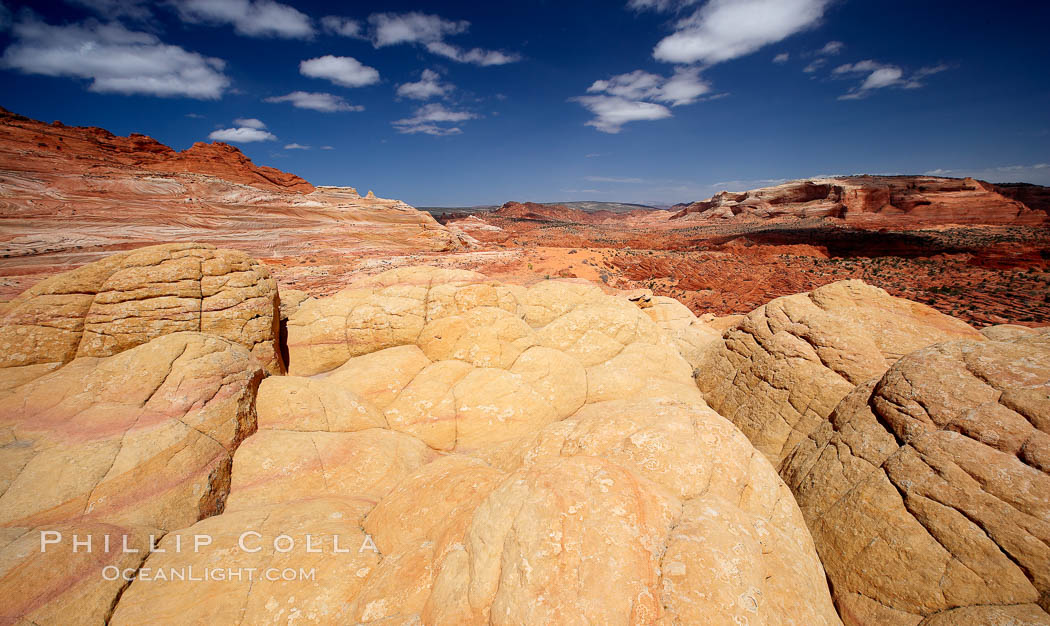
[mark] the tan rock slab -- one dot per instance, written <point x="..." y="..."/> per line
<point x="144" y="437"/>
<point x="305" y="404"/>
<point x="249" y="548"/>
<point x="278" y="466"/>
<point x="928" y="491"/>
<point x="128" y="299"/>
<point x="781" y="370"/>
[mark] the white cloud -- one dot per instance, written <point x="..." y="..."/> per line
<point x="684" y="87"/>
<point x="477" y="56"/>
<point x="342" y="26"/>
<point x="781" y="58"/>
<point x="636" y="96"/>
<point x="241" y="135"/>
<point x="429" y="129"/>
<point x="430" y="31"/>
<point x="314" y="101"/>
<point x="727" y="29"/>
<point x="344" y="71"/>
<point x="296" y="146"/>
<point x="814" y="66"/>
<point x="612" y="112"/>
<point x="195" y="116"/>
<point x="249" y="122"/>
<point x="428" y="86"/>
<point x="390" y="29"/>
<point x="613" y="179"/>
<point x="428" y="117"/>
<point x="831" y="48"/>
<point x="633" y="85"/>
<point x="859" y="66"/>
<point x="115" y="59"/>
<point x="327" y="148"/>
<point x="937" y="172"/>
<point x="254" y="18"/>
<point x="884" y="77"/>
<point x="881" y="76"/>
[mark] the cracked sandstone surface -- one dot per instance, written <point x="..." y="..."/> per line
<point x="539" y="454"/>
<point x="516" y="453"/>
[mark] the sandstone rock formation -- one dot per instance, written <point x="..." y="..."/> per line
<point x="873" y="200"/>
<point x="781" y="370"/>
<point x="70" y="196"/>
<point x="692" y="335"/>
<point x="451" y="449"/>
<point x="1035" y="197"/>
<point x="928" y="490"/>
<point x="128" y="299"/>
<point x="177" y="406"/>
<point x="84" y="149"/>
<point x="114" y="452"/>
<point x="515" y="454"/>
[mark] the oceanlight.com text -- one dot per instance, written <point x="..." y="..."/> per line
<point x="205" y="574"/>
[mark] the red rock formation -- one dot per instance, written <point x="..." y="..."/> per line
<point x="69" y="196"/>
<point x="956" y="244"/>
<point x="1034" y="197"/>
<point x="871" y="201"/>
<point x="30" y="146"/>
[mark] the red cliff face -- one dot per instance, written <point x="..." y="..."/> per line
<point x="1033" y="196"/>
<point x="31" y="146"/>
<point x="877" y="201"/>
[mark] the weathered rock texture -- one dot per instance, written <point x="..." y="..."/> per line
<point x="450" y="449"/>
<point x="130" y="445"/>
<point x="127" y="299"/>
<point x="175" y="407"/>
<point x="780" y="371"/>
<point x="928" y="490"/>
<point x="693" y="336"/>
<point x="517" y="455"/>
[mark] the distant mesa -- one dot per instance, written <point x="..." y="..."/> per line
<point x="879" y="200"/>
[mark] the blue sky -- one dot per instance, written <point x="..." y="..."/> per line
<point x="455" y="103"/>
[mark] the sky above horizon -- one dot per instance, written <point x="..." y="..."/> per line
<point x="463" y="103"/>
